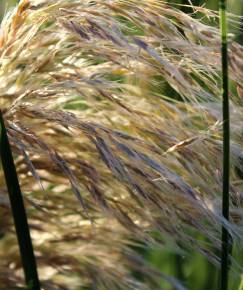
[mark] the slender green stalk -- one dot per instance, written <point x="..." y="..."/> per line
<point x="18" y="211"/>
<point x="179" y="263"/>
<point x="241" y="286"/>
<point x="226" y="145"/>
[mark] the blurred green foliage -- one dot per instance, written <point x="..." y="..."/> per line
<point x="5" y="4"/>
<point x="194" y="270"/>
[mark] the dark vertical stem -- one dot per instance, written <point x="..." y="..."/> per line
<point x="179" y="263"/>
<point x="226" y="145"/>
<point x="18" y="211"/>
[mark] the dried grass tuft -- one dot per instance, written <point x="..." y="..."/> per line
<point x="83" y="88"/>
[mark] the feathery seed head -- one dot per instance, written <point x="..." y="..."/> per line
<point x="118" y="101"/>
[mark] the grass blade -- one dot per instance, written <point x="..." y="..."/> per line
<point x="18" y="211"/>
<point x="226" y="144"/>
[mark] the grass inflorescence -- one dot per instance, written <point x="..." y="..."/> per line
<point x="119" y="103"/>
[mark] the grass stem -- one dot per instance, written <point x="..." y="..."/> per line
<point x="18" y="211"/>
<point x="226" y="145"/>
